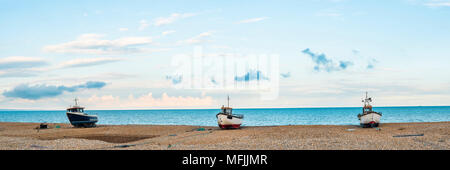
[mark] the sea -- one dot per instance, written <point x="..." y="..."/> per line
<point x="252" y="117"/>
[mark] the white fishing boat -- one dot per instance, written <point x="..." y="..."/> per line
<point x="227" y="120"/>
<point x="369" y="118"/>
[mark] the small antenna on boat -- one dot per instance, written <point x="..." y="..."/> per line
<point x="228" y="100"/>
<point x="76" y="101"/>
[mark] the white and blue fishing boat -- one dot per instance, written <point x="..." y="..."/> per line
<point x="78" y="118"/>
<point x="369" y="118"/>
<point x="227" y="120"/>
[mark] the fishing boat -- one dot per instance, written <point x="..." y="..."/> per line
<point x="369" y="118"/>
<point x="227" y="120"/>
<point x="78" y="118"/>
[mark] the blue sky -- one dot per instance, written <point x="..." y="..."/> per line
<point x="330" y="52"/>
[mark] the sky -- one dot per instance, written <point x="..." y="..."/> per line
<point x="192" y="54"/>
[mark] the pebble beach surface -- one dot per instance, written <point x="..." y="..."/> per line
<point x="389" y="136"/>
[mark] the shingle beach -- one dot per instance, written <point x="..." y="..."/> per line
<point x="390" y="136"/>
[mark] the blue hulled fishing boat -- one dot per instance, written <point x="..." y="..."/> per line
<point x="78" y="118"/>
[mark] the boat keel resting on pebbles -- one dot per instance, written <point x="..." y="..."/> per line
<point x="78" y="118"/>
<point x="227" y="120"/>
<point x="369" y="118"/>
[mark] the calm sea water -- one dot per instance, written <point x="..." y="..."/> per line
<point x="253" y="117"/>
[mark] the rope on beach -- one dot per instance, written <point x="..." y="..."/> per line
<point x="397" y="136"/>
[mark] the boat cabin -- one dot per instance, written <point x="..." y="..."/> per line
<point x="367" y="108"/>
<point x="76" y="109"/>
<point x="227" y="110"/>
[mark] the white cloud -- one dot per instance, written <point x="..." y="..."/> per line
<point x="144" y="24"/>
<point x="203" y="37"/>
<point x="438" y="3"/>
<point x="20" y="62"/>
<point x="123" y="29"/>
<point x="252" y="20"/>
<point x="16" y="73"/>
<point x="168" y="32"/>
<point x="84" y="62"/>
<point x="93" y="44"/>
<point x="19" y="66"/>
<point x="430" y="3"/>
<point x="329" y="13"/>
<point x="172" y="18"/>
<point x="148" y="101"/>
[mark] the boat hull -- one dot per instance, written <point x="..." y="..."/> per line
<point x="233" y="126"/>
<point x="228" y="122"/>
<point x="82" y="120"/>
<point x="370" y="120"/>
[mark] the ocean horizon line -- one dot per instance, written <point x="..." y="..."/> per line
<point x="241" y="108"/>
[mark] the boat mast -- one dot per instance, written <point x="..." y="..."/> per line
<point x="365" y="100"/>
<point x="76" y="102"/>
<point x="228" y="100"/>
